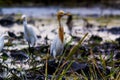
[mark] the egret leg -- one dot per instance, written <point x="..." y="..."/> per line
<point x="29" y="47"/>
<point x="30" y="52"/>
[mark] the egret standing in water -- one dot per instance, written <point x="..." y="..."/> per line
<point x="29" y="32"/>
<point x="57" y="45"/>
<point x="1" y="42"/>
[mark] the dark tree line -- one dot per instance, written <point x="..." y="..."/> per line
<point x="86" y="3"/>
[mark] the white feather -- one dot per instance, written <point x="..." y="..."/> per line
<point x="56" y="47"/>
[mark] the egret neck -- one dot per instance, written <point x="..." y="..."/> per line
<point x="60" y="31"/>
<point x="25" y="23"/>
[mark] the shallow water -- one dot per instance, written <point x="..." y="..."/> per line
<point x="51" y="24"/>
<point x="44" y="12"/>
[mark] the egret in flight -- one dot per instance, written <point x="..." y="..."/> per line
<point x="29" y="32"/>
<point x="57" y="45"/>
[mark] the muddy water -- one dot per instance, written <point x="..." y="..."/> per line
<point x="47" y="25"/>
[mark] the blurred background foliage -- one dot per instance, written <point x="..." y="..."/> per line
<point x="64" y="3"/>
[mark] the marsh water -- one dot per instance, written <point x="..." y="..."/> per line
<point x="46" y="25"/>
<point x="45" y="22"/>
<point x="48" y="11"/>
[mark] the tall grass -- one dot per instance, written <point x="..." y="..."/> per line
<point x="96" y="69"/>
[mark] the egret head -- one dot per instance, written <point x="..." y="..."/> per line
<point x="60" y="14"/>
<point x="23" y="17"/>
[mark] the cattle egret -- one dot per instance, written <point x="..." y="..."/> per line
<point x="29" y="32"/>
<point x="57" y="45"/>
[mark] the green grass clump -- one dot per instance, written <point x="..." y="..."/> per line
<point x="96" y="68"/>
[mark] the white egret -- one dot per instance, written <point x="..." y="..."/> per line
<point x="57" y="45"/>
<point x="2" y="42"/>
<point x="29" y="32"/>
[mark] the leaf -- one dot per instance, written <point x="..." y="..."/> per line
<point x="74" y="49"/>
